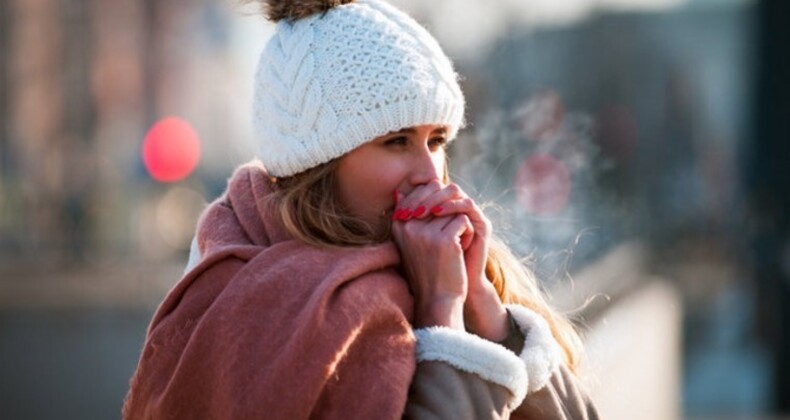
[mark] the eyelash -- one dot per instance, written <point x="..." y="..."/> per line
<point x="396" y="141"/>
<point x="441" y="141"/>
<point x="401" y="141"/>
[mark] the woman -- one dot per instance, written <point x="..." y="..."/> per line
<point x="345" y="276"/>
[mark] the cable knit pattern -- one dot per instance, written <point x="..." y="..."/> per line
<point x="331" y="82"/>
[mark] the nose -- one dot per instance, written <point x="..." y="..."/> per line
<point x="426" y="166"/>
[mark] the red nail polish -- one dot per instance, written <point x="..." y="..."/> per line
<point x="406" y="215"/>
<point x="436" y="210"/>
<point x="419" y="211"/>
<point x="396" y="214"/>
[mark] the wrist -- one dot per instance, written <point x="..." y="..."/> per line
<point x="441" y="312"/>
<point x="487" y="318"/>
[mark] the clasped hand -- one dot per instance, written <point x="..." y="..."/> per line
<point x="443" y="238"/>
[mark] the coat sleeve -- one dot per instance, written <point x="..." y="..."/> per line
<point x="563" y="398"/>
<point x="462" y="376"/>
<point x="441" y="391"/>
<point x="445" y="387"/>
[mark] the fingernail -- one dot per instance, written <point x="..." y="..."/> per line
<point x="396" y="214"/>
<point x="406" y="215"/>
<point x="436" y="210"/>
<point x="418" y="211"/>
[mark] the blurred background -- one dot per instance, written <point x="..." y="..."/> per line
<point x="632" y="150"/>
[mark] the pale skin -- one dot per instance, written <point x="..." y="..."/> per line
<point x="395" y="181"/>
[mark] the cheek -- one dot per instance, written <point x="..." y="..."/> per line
<point x="366" y="187"/>
<point x="381" y="180"/>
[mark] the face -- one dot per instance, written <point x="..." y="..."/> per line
<point x="402" y="160"/>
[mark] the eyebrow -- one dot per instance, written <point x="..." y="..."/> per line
<point x="411" y="130"/>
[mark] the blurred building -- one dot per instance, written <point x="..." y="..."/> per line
<point x="593" y="124"/>
<point x="82" y="82"/>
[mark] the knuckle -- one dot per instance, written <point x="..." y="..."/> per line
<point x="454" y="189"/>
<point x="434" y="185"/>
<point x="486" y="229"/>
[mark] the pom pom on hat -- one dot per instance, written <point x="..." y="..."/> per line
<point x="276" y="10"/>
<point x="338" y="73"/>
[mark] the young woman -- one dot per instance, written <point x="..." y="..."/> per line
<point x="344" y="275"/>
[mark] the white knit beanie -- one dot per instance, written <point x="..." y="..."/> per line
<point x="331" y="81"/>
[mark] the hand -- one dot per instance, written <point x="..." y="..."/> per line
<point x="433" y="259"/>
<point x="484" y="313"/>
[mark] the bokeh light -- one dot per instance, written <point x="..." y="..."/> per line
<point x="171" y="150"/>
<point x="543" y="185"/>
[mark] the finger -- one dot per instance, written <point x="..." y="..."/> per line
<point x="396" y="229"/>
<point x="436" y="227"/>
<point x="410" y="206"/>
<point x="400" y="231"/>
<point x="430" y="204"/>
<point x="397" y="197"/>
<point x="468" y="236"/>
<point x="408" y="227"/>
<point x="432" y="227"/>
<point x="428" y="228"/>
<point x="457" y="227"/>
<point x="468" y="207"/>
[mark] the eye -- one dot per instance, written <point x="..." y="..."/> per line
<point x="396" y="141"/>
<point x="437" y="143"/>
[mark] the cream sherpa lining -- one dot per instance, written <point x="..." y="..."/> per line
<point x="541" y="354"/>
<point x="473" y="354"/>
<point x="522" y="375"/>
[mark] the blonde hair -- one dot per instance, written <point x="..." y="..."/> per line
<point x="311" y="212"/>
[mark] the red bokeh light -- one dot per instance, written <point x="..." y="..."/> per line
<point x="543" y="185"/>
<point x="171" y="150"/>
